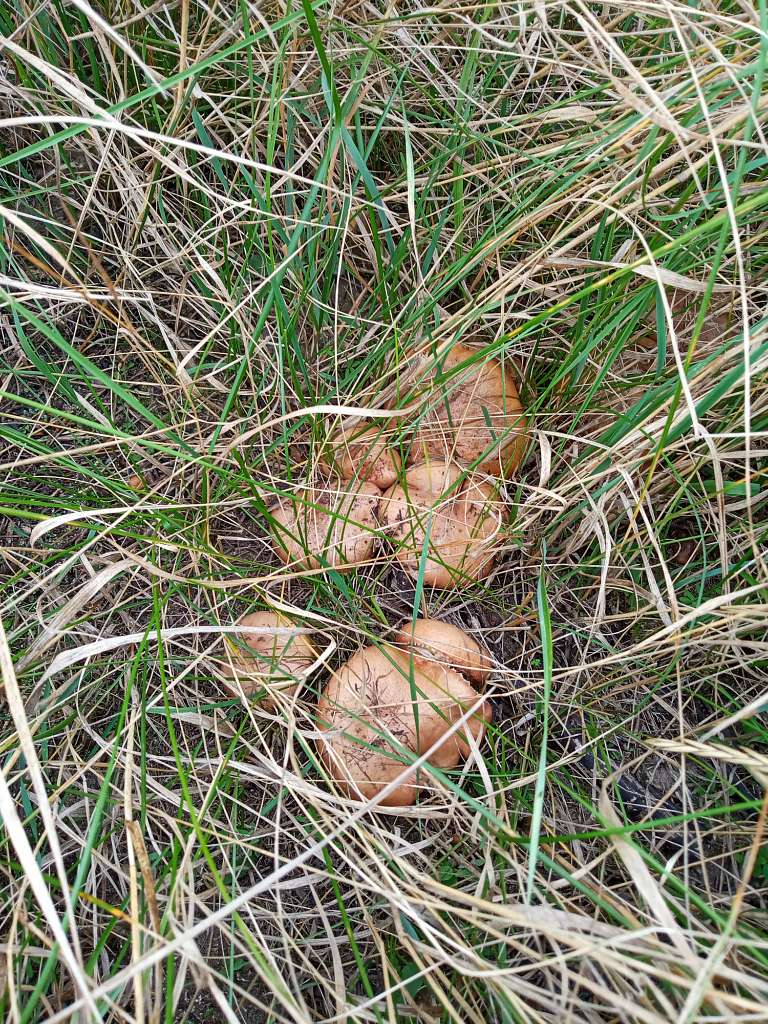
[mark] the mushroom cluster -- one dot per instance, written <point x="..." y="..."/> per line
<point x="387" y="706"/>
<point x="392" y="703"/>
<point x="397" y="710"/>
<point x="438" y="497"/>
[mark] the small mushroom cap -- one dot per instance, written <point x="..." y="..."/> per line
<point x="362" y="454"/>
<point x="368" y="714"/>
<point x="478" y="413"/>
<point x="448" y="680"/>
<point x="463" y="524"/>
<point x="434" y="640"/>
<point x="277" y="657"/>
<point x="432" y="478"/>
<point x="327" y="526"/>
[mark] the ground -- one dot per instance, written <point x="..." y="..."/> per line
<point x="227" y="228"/>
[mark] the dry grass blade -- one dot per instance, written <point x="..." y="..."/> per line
<point x="15" y="831"/>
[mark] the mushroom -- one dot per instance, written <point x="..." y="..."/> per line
<point x="326" y="526"/>
<point x="387" y="705"/>
<point x="356" y="453"/>
<point x="277" y="657"/>
<point x="463" y="517"/>
<point x="478" y="419"/>
<point x="442" y="643"/>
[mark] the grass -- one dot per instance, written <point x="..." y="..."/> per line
<point x="225" y="227"/>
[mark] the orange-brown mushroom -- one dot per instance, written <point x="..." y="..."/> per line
<point x="475" y="415"/>
<point x="447" y="645"/>
<point x="462" y="517"/>
<point x="329" y="525"/>
<point x="274" y="657"/>
<point x="361" y="453"/>
<point x="387" y="705"/>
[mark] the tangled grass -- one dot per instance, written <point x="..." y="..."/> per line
<point x="222" y="226"/>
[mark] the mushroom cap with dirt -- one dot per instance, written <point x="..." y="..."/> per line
<point x="386" y="706"/>
<point x="475" y="416"/>
<point x="276" y="658"/>
<point x="329" y="525"/>
<point x="361" y="453"/>
<point x="463" y="518"/>
<point x="446" y="644"/>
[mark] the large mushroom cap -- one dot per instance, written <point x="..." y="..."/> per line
<point x="361" y="453"/>
<point x="277" y="657"/>
<point x="475" y="417"/>
<point x="383" y="706"/>
<point x="463" y="519"/>
<point x="327" y="526"/>
<point x="448" y="645"/>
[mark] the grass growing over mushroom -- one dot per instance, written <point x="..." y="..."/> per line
<point x="225" y="225"/>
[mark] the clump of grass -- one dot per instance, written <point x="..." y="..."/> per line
<point x="217" y="220"/>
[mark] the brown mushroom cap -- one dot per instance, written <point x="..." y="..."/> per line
<point x="368" y="714"/>
<point x="478" y="413"/>
<point x="448" y="645"/>
<point x="277" y="657"/>
<point x="465" y="520"/>
<point x="329" y="525"/>
<point x="356" y="453"/>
